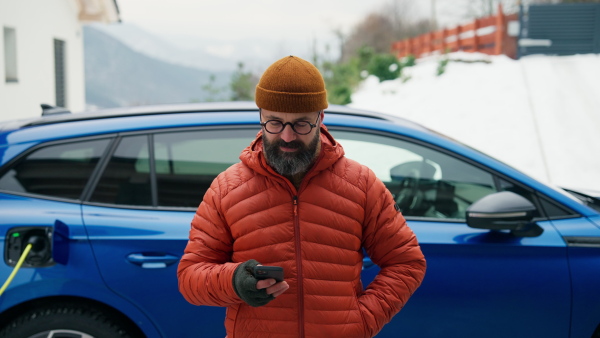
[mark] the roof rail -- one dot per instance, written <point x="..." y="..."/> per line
<point x="52" y="110"/>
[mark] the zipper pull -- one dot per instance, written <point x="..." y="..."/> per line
<point x="295" y="201"/>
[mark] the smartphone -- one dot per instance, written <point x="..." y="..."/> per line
<point x="265" y="272"/>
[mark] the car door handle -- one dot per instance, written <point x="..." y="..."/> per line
<point x="367" y="263"/>
<point x="152" y="260"/>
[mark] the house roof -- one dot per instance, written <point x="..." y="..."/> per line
<point x="105" y="11"/>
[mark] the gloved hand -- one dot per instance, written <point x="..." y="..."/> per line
<point x="244" y="285"/>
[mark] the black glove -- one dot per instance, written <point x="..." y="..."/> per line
<point x="244" y="285"/>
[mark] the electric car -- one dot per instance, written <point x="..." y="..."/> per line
<point x="95" y="210"/>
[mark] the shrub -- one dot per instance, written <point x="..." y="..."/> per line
<point x="408" y="61"/>
<point x="384" y="66"/>
<point x="340" y="80"/>
<point x="341" y="94"/>
<point x="442" y="64"/>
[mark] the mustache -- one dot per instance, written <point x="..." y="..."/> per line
<point x="292" y="144"/>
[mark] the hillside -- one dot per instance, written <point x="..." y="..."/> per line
<point x="116" y="75"/>
<point x="539" y="114"/>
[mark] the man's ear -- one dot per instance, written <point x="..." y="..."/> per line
<point x="322" y="115"/>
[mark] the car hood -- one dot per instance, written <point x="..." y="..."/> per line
<point x="591" y="198"/>
<point x="591" y="193"/>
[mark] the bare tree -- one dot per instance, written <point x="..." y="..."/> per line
<point x="375" y="31"/>
<point x="451" y="13"/>
<point x="392" y="22"/>
<point x="400" y="13"/>
<point x="341" y="36"/>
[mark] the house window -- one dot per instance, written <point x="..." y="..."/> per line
<point x="10" y="55"/>
<point x="60" y="72"/>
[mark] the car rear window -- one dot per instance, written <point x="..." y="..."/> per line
<point x="60" y="170"/>
<point x="168" y="169"/>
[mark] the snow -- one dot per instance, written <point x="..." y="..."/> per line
<point x="539" y="114"/>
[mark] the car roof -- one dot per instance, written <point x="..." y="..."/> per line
<point x="208" y="107"/>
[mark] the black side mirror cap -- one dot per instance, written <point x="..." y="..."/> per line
<point x="504" y="211"/>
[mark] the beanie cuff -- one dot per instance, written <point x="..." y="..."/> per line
<point x="290" y="102"/>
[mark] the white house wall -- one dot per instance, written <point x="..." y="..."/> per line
<point x="37" y="24"/>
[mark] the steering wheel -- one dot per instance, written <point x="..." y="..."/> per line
<point x="409" y="196"/>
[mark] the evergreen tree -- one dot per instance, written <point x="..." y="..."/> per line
<point x="213" y="93"/>
<point x="242" y="84"/>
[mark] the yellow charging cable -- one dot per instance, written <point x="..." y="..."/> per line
<point x="17" y="267"/>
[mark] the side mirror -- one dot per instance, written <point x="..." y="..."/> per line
<point x="504" y="211"/>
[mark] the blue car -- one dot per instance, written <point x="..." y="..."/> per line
<point x="95" y="210"/>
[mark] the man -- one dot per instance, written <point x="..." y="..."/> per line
<point x="295" y="201"/>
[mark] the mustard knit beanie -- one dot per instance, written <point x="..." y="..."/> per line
<point x="291" y="85"/>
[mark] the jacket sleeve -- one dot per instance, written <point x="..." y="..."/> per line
<point x="205" y="271"/>
<point x="393" y="246"/>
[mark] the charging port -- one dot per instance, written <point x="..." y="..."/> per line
<point x="41" y="251"/>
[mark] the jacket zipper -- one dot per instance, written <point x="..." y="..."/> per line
<point x="299" y="265"/>
<point x="299" y="248"/>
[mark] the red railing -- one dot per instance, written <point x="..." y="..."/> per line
<point x="485" y="35"/>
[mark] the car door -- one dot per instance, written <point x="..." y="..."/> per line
<point x="138" y="219"/>
<point x="478" y="283"/>
<point x="39" y="196"/>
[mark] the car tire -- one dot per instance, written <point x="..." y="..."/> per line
<point x="65" y="320"/>
<point x="597" y="332"/>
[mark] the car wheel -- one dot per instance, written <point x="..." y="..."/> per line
<point x="67" y="320"/>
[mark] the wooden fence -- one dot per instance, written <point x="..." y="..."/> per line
<point x="485" y="35"/>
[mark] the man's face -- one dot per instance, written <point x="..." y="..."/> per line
<point x="288" y="152"/>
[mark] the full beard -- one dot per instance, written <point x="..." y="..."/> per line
<point x="290" y="163"/>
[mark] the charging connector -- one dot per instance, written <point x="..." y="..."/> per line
<point x="38" y="243"/>
<point x="17" y="267"/>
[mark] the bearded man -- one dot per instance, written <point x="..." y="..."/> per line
<point x="297" y="202"/>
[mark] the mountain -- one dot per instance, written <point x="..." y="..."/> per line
<point x="116" y="75"/>
<point x="183" y="51"/>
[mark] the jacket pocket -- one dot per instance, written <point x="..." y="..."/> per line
<point x="357" y="307"/>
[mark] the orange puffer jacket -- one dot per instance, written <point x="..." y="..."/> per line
<point x="316" y="233"/>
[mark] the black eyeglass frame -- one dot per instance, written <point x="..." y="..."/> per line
<point x="283" y="125"/>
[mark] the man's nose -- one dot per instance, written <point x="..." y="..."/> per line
<point x="288" y="134"/>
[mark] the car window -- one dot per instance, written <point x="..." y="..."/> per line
<point x="424" y="182"/>
<point x="185" y="163"/>
<point x="61" y="170"/>
<point x="126" y="178"/>
<point x="188" y="162"/>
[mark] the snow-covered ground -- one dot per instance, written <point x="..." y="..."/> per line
<point x="539" y="114"/>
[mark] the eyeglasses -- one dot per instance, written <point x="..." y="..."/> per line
<point x="299" y="127"/>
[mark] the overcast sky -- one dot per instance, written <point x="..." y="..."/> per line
<point x="264" y="30"/>
<point x="256" y="31"/>
<point x="279" y="19"/>
<point x="240" y="19"/>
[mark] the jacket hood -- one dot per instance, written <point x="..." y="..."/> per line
<point x="331" y="151"/>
